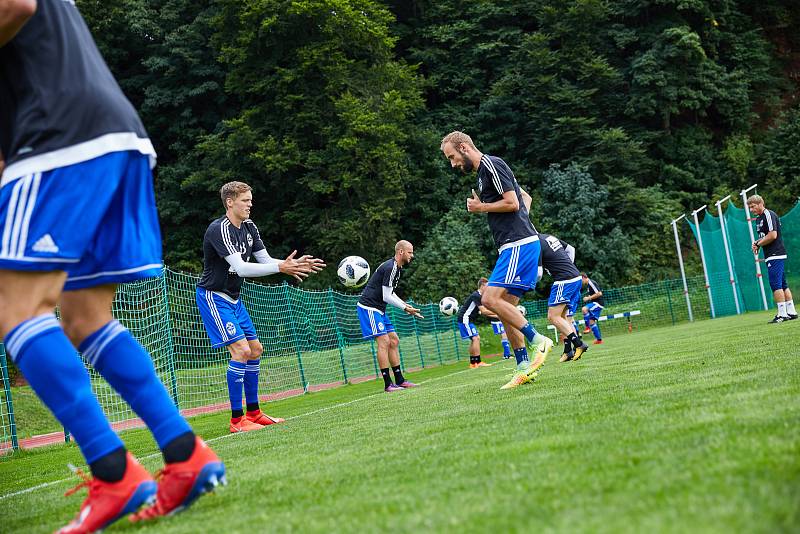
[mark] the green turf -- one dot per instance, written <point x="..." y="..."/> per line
<point x="680" y="429"/>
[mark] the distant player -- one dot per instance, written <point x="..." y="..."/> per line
<point x="467" y="313"/>
<point x="228" y="245"/>
<point x="516" y="271"/>
<point x="500" y="330"/>
<point x="78" y="217"/>
<point x="593" y="308"/>
<point x="768" y="226"/>
<point x="564" y="294"/>
<point x="375" y="322"/>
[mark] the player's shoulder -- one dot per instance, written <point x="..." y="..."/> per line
<point x="388" y="264"/>
<point x="215" y="225"/>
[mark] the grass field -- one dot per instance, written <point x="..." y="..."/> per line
<point x="691" y="428"/>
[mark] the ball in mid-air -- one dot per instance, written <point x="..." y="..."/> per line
<point x="353" y="271"/>
<point x="448" y="305"/>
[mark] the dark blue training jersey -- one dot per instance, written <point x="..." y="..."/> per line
<point x="59" y="103"/>
<point x="469" y="310"/>
<point x="555" y="259"/>
<point x="593" y="288"/>
<point x="387" y="274"/>
<point x="495" y="178"/>
<point x="768" y="222"/>
<point x="223" y="239"/>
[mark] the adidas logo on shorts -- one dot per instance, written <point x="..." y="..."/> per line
<point x="45" y="244"/>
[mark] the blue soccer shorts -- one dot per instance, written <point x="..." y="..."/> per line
<point x="498" y="328"/>
<point x="96" y="220"/>
<point x="777" y="276"/>
<point x="374" y="323"/>
<point x="468" y="330"/>
<point x="594" y="311"/>
<point x="517" y="268"/>
<point x="226" y="322"/>
<point x="565" y="292"/>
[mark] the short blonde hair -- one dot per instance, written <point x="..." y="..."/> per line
<point x="755" y="199"/>
<point x="457" y="138"/>
<point x="482" y="281"/>
<point x="233" y="190"/>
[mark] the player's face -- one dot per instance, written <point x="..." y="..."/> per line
<point x="240" y="206"/>
<point x="457" y="158"/>
<point x="407" y="255"/>
<point x="756" y="208"/>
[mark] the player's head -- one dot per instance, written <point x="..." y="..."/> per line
<point x="460" y="151"/>
<point x="482" y="281"/>
<point x="237" y="197"/>
<point x="756" y="204"/>
<point x="403" y="252"/>
<point x="584" y="279"/>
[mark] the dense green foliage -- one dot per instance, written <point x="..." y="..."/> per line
<point x="681" y="437"/>
<point x="333" y="111"/>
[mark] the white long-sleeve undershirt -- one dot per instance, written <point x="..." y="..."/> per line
<point x="266" y="265"/>
<point x="390" y="298"/>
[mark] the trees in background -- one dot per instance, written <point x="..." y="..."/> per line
<point x="616" y="116"/>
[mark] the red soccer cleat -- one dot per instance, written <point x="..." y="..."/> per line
<point x="243" y="424"/>
<point x="598" y="341"/>
<point x="181" y="483"/>
<point x="587" y="330"/>
<point x="260" y="418"/>
<point x="108" y="501"/>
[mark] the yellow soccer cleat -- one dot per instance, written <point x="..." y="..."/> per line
<point x="517" y="380"/>
<point x="580" y="350"/>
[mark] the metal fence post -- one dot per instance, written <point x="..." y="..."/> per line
<point x="9" y="401"/>
<point x="303" y="382"/>
<point x="669" y="301"/>
<point x="339" y="337"/>
<point x="171" y="350"/>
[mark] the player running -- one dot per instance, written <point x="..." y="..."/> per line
<point x="78" y="217"/>
<point x="594" y="308"/>
<point x="375" y="322"/>
<point x="516" y="270"/>
<point x="228" y="245"/>
<point x="467" y="313"/>
<point x="564" y="294"/>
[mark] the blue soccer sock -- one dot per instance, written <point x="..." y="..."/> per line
<point x="51" y="366"/>
<point x="235" y="377"/>
<point x="251" y="384"/>
<point x="596" y="331"/>
<point x="127" y="367"/>
<point x="521" y="355"/>
<point x="506" y="348"/>
<point x="529" y="331"/>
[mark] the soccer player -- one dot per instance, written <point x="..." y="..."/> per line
<point x="768" y="226"/>
<point x="564" y="293"/>
<point x="229" y="243"/>
<point x="466" y="314"/>
<point x="517" y="267"/>
<point x="374" y="320"/>
<point x="78" y="217"/>
<point x="592" y="310"/>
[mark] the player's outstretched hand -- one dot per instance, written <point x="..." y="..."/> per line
<point x="316" y="264"/>
<point x="411" y="310"/>
<point x="474" y="203"/>
<point x="300" y="267"/>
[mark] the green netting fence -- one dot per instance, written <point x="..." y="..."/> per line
<point x="312" y="339"/>
<point x="745" y="281"/>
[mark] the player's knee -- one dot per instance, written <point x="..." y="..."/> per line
<point x="256" y="350"/>
<point x="77" y="328"/>
<point x="240" y="353"/>
<point x="585" y="310"/>
<point x="394" y="341"/>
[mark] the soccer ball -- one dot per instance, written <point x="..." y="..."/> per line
<point x="522" y="310"/>
<point x="353" y="271"/>
<point x="448" y="305"/>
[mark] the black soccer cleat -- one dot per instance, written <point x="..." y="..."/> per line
<point x="777" y="319"/>
<point x="792" y="316"/>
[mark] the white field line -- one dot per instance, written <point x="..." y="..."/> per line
<point x="155" y="454"/>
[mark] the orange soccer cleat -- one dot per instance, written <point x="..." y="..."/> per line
<point x="181" y="483"/>
<point x="260" y="418"/>
<point x="109" y="501"/>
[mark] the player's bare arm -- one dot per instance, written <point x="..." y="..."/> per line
<point x="764" y="241"/>
<point x="526" y="199"/>
<point x="13" y="16"/>
<point x="508" y="203"/>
